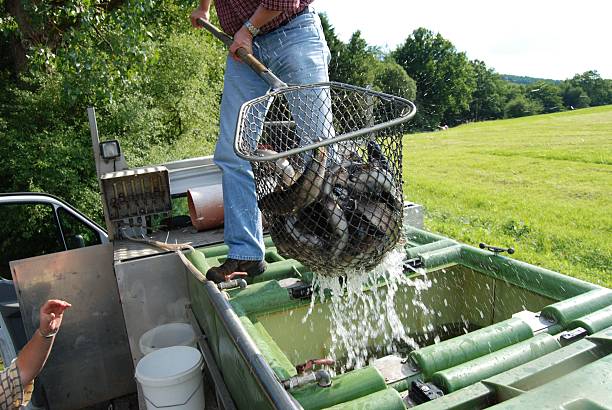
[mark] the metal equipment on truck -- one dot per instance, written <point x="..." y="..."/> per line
<point x="509" y="334"/>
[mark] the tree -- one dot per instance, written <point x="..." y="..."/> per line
<point x="547" y="94"/>
<point x="520" y="106"/>
<point x="598" y="89"/>
<point x="391" y="78"/>
<point x="575" y="97"/>
<point x="488" y="98"/>
<point x="335" y="45"/>
<point x="33" y="30"/>
<point x="351" y="63"/>
<point x="155" y="83"/>
<point x="444" y="78"/>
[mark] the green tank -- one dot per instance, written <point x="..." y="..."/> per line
<point x="502" y="333"/>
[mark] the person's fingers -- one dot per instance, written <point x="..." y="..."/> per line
<point x="196" y="14"/>
<point x="57" y="302"/>
<point x="55" y="305"/>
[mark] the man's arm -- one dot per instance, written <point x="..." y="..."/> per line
<point x="34" y="354"/>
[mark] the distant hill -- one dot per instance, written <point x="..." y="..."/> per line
<point x="524" y="80"/>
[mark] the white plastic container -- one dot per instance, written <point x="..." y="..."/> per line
<point x="171" y="378"/>
<point x="170" y="334"/>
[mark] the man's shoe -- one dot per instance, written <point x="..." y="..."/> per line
<point x="252" y="268"/>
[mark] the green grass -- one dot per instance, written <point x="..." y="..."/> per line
<point x="542" y="184"/>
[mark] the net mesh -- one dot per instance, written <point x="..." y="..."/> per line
<point x="327" y="164"/>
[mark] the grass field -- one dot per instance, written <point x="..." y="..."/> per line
<point x="541" y="184"/>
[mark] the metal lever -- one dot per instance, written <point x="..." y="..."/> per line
<point x="495" y="249"/>
<point x="268" y="76"/>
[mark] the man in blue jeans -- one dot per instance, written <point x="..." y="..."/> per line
<point x="287" y="37"/>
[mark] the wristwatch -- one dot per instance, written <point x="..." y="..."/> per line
<point x="252" y="29"/>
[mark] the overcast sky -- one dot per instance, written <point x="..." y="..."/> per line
<point x="538" y="38"/>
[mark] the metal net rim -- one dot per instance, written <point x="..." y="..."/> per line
<point x="406" y="116"/>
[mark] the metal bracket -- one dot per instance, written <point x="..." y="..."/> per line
<point x="495" y="249"/>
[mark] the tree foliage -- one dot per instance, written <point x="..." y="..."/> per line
<point x="392" y="79"/>
<point x="596" y="88"/>
<point x="489" y="95"/>
<point x="156" y="83"/>
<point x="575" y="97"/>
<point x="153" y="80"/>
<point x="444" y="78"/>
<point x="521" y="106"/>
<point x="547" y="95"/>
<point x="359" y="64"/>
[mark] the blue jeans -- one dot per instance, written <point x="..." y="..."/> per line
<point x="297" y="53"/>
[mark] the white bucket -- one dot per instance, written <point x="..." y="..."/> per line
<point x="170" y="334"/>
<point x="171" y="378"/>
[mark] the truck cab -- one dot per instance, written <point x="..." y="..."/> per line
<point x="34" y="224"/>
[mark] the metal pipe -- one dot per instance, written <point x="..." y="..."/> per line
<point x="206" y="207"/>
<point x="422" y="237"/>
<point x="231" y="284"/>
<point x="441" y="257"/>
<point x="594" y="322"/>
<point x="321" y="377"/>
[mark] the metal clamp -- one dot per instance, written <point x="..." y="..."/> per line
<point x="495" y="249"/>
<point x="232" y="284"/>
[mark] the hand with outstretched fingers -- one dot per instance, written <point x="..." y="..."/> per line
<point x="51" y="314"/>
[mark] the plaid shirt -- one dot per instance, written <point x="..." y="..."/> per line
<point x="13" y="395"/>
<point x="233" y="13"/>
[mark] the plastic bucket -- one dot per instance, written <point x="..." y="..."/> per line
<point x="170" y="334"/>
<point x="171" y="378"/>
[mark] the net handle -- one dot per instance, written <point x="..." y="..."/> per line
<point x="249" y="59"/>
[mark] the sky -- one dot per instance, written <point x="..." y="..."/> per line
<point x="553" y="39"/>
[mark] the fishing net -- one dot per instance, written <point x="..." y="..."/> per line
<point x="327" y="163"/>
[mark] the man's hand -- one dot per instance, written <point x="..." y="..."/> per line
<point x="199" y="13"/>
<point x="242" y="39"/>
<point x="51" y="314"/>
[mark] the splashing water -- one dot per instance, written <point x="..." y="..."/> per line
<point x="365" y="322"/>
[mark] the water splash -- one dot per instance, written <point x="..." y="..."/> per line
<point x="363" y="311"/>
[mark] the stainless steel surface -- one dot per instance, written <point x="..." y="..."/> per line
<point x="126" y="250"/>
<point x="153" y="291"/>
<point x="414" y="215"/>
<point x="394" y="368"/>
<point x="190" y="173"/>
<point x="102" y="166"/>
<point x="537" y="323"/>
<point x="136" y="193"/>
<point x="90" y="361"/>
